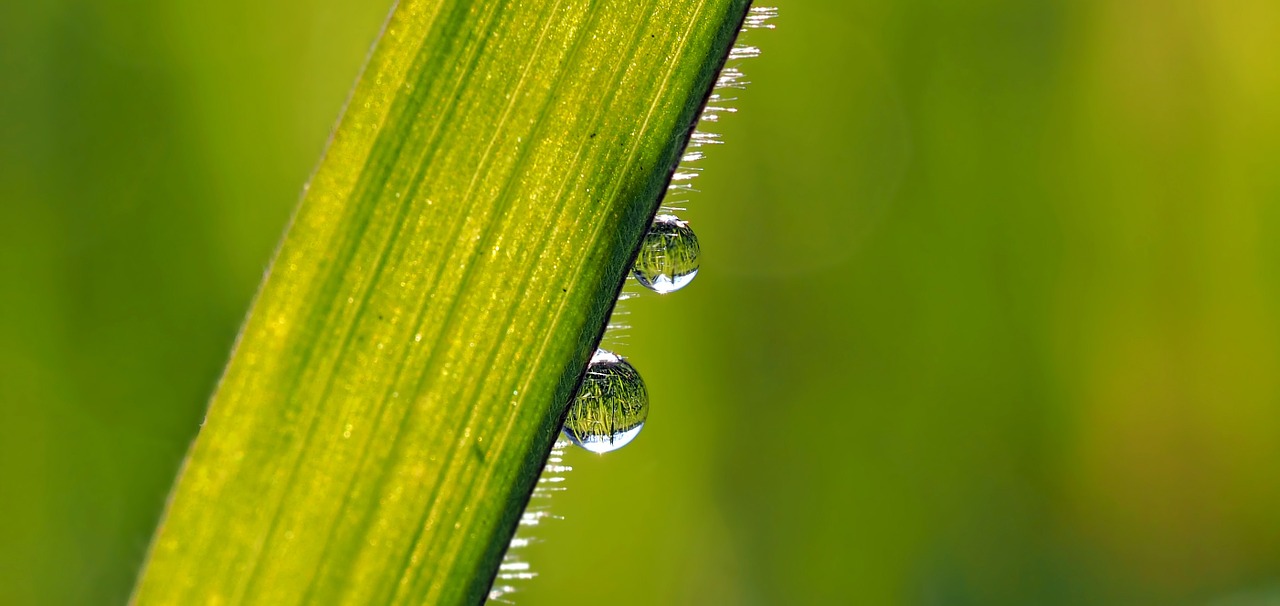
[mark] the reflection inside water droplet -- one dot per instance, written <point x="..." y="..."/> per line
<point x="668" y="258"/>
<point x="611" y="406"/>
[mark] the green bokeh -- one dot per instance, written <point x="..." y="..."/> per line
<point x="989" y="309"/>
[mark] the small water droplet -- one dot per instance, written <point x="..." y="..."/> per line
<point x="611" y="406"/>
<point x="668" y="258"/>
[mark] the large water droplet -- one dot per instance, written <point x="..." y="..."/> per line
<point x="668" y="258"/>
<point x="610" y="407"/>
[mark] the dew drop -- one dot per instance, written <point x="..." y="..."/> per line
<point x="668" y="258"/>
<point x="611" y="406"/>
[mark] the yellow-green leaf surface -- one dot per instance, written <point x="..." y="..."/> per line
<point x="409" y="357"/>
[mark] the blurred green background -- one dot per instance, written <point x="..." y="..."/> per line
<point x="989" y="310"/>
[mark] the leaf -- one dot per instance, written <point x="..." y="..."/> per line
<point x="409" y="357"/>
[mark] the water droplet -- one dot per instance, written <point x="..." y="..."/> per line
<point x="668" y="258"/>
<point x="610" y="407"/>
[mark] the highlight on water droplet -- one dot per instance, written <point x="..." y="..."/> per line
<point x="668" y="259"/>
<point x="611" y="406"/>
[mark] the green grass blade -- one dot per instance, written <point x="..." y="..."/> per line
<point x="407" y="361"/>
